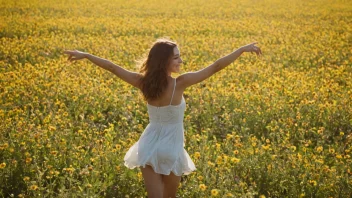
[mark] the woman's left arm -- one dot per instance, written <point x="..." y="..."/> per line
<point x="126" y="75"/>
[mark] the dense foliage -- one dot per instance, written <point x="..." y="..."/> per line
<point x="276" y="126"/>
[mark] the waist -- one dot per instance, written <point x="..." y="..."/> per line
<point x="165" y="119"/>
<point x="170" y="122"/>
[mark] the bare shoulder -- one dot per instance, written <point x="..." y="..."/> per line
<point x="190" y="78"/>
<point x="181" y="81"/>
<point x="139" y="78"/>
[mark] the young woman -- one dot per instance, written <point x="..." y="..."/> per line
<point x="160" y="152"/>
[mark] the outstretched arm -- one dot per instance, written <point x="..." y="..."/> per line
<point x="127" y="76"/>
<point x="191" y="78"/>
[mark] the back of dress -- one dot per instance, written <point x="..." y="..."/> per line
<point x="161" y="144"/>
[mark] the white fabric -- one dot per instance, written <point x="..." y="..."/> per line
<point x="161" y="145"/>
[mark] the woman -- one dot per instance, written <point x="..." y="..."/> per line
<point x="160" y="152"/>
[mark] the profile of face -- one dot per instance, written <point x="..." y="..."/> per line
<point x="176" y="61"/>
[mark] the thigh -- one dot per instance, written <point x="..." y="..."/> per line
<point x="171" y="183"/>
<point x="153" y="182"/>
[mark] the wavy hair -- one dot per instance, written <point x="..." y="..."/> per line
<point x="154" y="69"/>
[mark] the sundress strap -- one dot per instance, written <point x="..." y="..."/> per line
<point x="173" y="92"/>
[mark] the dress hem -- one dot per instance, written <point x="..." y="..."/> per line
<point x="143" y="165"/>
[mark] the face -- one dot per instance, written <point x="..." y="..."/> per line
<point x="175" y="61"/>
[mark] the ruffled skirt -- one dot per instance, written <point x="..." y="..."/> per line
<point x="161" y="147"/>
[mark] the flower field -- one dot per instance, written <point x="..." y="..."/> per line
<point x="275" y="126"/>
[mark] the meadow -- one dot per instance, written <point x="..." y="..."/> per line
<point x="275" y="126"/>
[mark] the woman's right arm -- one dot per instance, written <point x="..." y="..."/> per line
<point x="124" y="74"/>
<point x="191" y="78"/>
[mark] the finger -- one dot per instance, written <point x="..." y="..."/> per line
<point x="257" y="50"/>
<point x="69" y="58"/>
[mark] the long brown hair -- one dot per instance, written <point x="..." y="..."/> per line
<point x="154" y="69"/>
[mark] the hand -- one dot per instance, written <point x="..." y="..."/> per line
<point x="75" y="55"/>
<point x="252" y="48"/>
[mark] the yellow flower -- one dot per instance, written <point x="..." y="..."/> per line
<point x="265" y="147"/>
<point x="312" y="182"/>
<point x="4" y="146"/>
<point x="235" y="152"/>
<point x="202" y="187"/>
<point x="321" y="161"/>
<point x="219" y="160"/>
<point x="225" y="157"/>
<point x="331" y="150"/>
<point x="139" y="175"/>
<point x="33" y="187"/>
<point x="118" y="146"/>
<point x="200" y="178"/>
<point x="52" y="128"/>
<point x="211" y="163"/>
<point x="319" y="149"/>
<point x="262" y="196"/>
<point x="26" y="178"/>
<point x="293" y="148"/>
<point x="69" y="170"/>
<point x="342" y="133"/>
<point x="235" y="160"/>
<point x="218" y="146"/>
<point x="214" y="192"/>
<point x="2" y="165"/>
<point x="299" y="156"/>
<point x="197" y="155"/>
<point x="74" y="98"/>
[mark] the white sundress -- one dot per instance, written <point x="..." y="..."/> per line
<point x="161" y="144"/>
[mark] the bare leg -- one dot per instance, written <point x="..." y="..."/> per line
<point x="171" y="183"/>
<point x="153" y="182"/>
